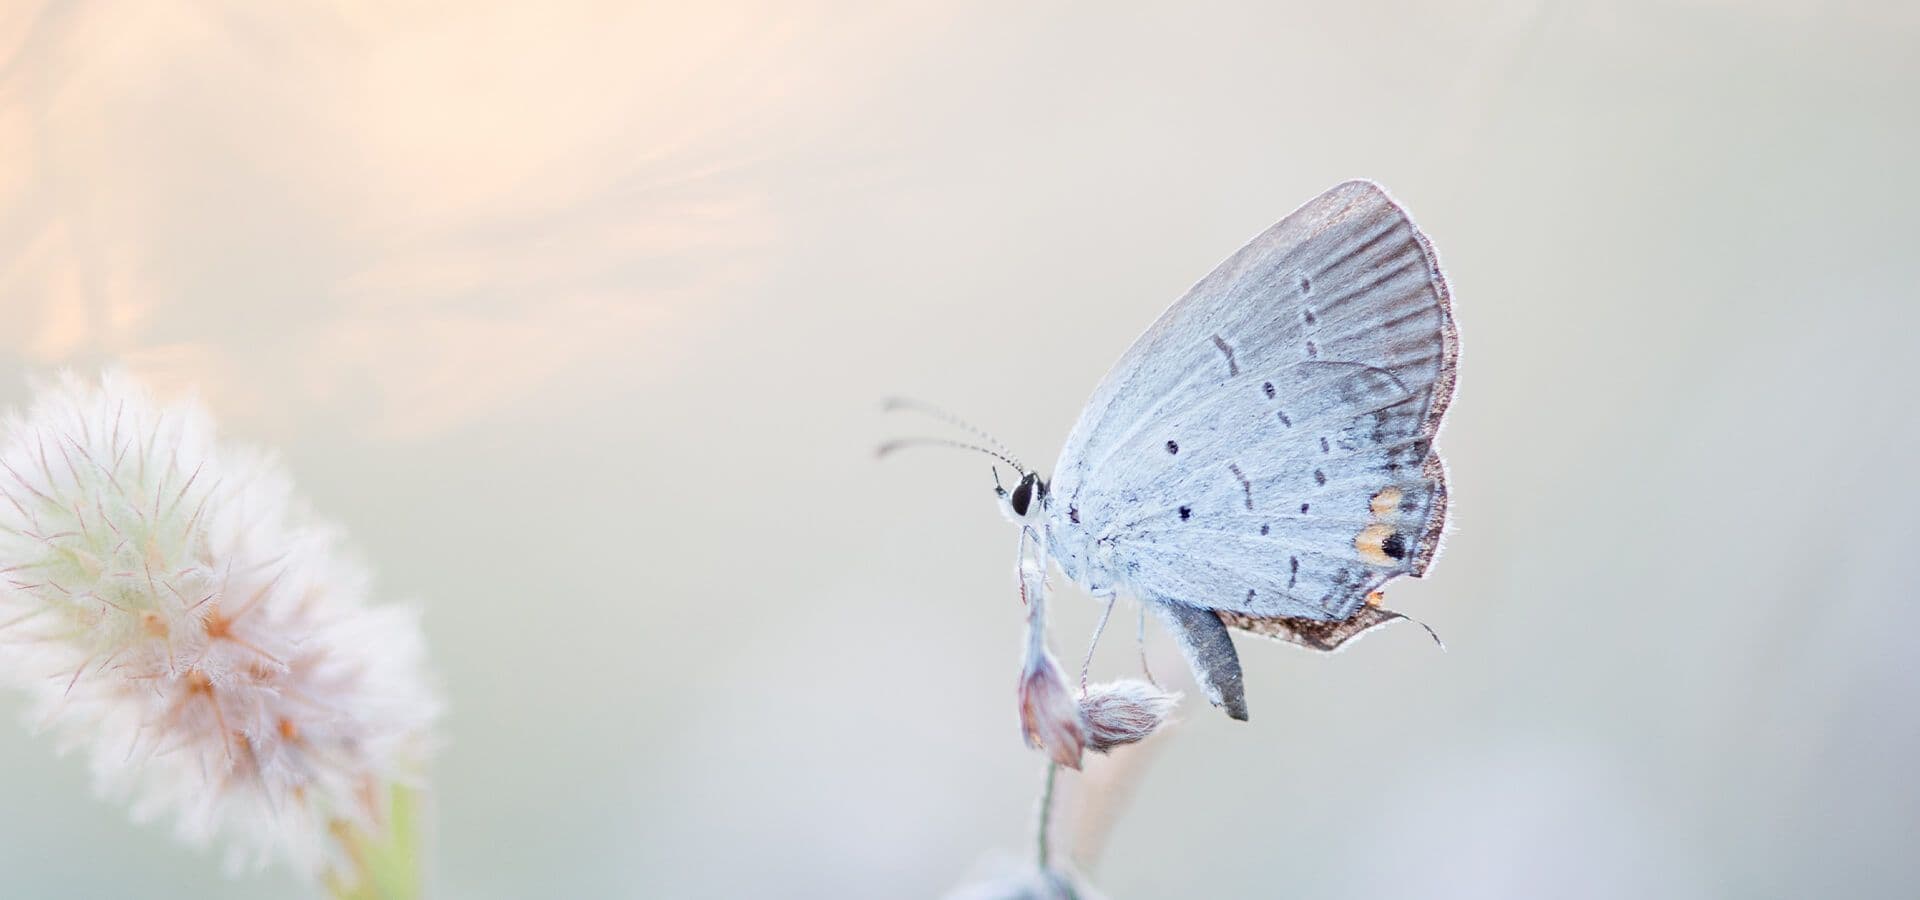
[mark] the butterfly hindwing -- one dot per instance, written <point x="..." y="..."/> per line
<point x="1307" y="533"/>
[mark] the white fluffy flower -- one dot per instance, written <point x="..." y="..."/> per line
<point x="1006" y="880"/>
<point x="1123" y="712"/>
<point x="175" y="610"/>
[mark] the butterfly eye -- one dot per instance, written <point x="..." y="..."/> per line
<point x="1022" y="497"/>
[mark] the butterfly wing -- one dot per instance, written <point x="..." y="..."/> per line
<point x="1264" y="448"/>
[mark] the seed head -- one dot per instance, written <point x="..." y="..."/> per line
<point x="1123" y="712"/>
<point x="175" y="610"/>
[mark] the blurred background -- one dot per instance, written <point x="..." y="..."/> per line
<point x="578" y="318"/>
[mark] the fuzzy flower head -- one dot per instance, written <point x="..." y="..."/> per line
<point x="175" y="611"/>
<point x="1005" y="879"/>
<point x="1123" y="712"/>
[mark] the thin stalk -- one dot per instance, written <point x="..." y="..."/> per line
<point x="384" y="866"/>
<point x="1041" y="850"/>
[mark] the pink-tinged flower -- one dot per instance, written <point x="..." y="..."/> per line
<point x="174" y="609"/>
<point x="1124" y="712"/>
<point x="1049" y="717"/>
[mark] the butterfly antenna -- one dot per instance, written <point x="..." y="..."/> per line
<point x="893" y="404"/>
<point x="888" y="448"/>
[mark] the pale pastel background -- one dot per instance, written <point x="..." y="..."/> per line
<point x="579" y="319"/>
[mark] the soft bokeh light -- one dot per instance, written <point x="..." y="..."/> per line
<point x="578" y="317"/>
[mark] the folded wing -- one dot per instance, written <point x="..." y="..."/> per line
<point x="1265" y="448"/>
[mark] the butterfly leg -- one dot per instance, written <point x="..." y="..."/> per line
<point x="1086" y="664"/>
<point x="1140" y="640"/>
<point x="1209" y="650"/>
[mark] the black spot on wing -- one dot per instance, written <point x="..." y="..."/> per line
<point x="1246" y="487"/>
<point x="1233" y="368"/>
<point x="1186" y="512"/>
<point x="1394" y="546"/>
<point x="1173" y="447"/>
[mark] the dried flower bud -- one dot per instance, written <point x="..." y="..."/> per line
<point x="1049" y="718"/>
<point x="1123" y="712"/>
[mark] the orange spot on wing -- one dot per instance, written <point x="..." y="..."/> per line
<point x="1371" y="543"/>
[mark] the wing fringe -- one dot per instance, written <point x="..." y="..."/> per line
<point x="1325" y="637"/>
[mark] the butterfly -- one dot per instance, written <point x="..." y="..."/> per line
<point x="1261" y="459"/>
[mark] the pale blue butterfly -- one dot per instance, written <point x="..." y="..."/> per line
<point x="1261" y="458"/>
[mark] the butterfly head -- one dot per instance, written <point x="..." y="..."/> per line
<point x="1026" y="502"/>
<point x="1024" y="505"/>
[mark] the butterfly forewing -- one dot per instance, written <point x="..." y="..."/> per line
<point x="1265" y="447"/>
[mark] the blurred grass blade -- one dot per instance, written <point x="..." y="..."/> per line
<point x="387" y="865"/>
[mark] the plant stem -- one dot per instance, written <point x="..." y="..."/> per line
<point x="1041" y="850"/>
<point x="386" y="866"/>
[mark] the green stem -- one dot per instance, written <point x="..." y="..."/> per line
<point x="385" y="866"/>
<point x="1042" y="851"/>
